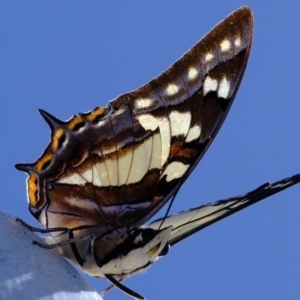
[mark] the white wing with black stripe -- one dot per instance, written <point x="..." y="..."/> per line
<point x="189" y="222"/>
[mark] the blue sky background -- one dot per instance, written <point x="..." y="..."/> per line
<point x="71" y="56"/>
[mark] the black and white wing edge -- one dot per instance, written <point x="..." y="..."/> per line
<point x="191" y="221"/>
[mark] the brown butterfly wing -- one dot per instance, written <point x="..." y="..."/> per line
<point x="118" y="165"/>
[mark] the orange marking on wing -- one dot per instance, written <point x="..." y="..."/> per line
<point x="32" y="188"/>
<point x="74" y="122"/>
<point x="188" y="153"/>
<point x="44" y="160"/>
<point x="98" y="112"/>
<point x="58" y="133"/>
<point x="175" y="147"/>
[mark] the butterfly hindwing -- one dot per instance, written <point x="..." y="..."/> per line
<point x="189" y="222"/>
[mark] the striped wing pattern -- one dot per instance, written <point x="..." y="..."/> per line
<point x="107" y="172"/>
<point x="188" y="222"/>
<point x="121" y="163"/>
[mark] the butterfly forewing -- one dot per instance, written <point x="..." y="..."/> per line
<point x="183" y="109"/>
<point x="118" y="165"/>
<point x="123" y="162"/>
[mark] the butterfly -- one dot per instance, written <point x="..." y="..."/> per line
<point x="105" y="173"/>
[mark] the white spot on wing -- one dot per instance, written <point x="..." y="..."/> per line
<point x="194" y="133"/>
<point x="237" y="42"/>
<point x="223" y="88"/>
<point x="180" y="122"/>
<point x="174" y="170"/>
<point x="209" y="56"/>
<point x="210" y="85"/>
<point x="192" y="74"/>
<point x="143" y="103"/>
<point x="100" y="123"/>
<point x="149" y="122"/>
<point x="225" y="46"/>
<point x="172" y="89"/>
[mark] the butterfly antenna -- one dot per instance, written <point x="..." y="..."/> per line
<point x="169" y="206"/>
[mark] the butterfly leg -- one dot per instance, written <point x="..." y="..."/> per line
<point x="40" y="230"/>
<point x="123" y="288"/>
<point x="108" y="289"/>
<point x="61" y="244"/>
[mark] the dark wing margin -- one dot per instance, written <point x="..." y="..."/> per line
<point x="189" y="222"/>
